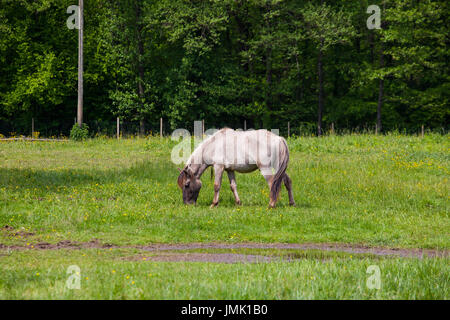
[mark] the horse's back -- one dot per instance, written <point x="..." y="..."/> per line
<point x="245" y="151"/>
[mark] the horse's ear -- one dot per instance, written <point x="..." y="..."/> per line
<point x="181" y="179"/>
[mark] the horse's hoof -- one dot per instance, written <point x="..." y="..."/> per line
<point x="213" y="206"/>
<point x="292" y="204"/>
<point x="238" y="203"/>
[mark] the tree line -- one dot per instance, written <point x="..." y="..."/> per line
<point x="267" y="62"/>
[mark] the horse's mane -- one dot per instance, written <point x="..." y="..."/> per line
<point x="203" y="143"/>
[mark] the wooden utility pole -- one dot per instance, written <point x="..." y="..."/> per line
<point x="80" y="64"/>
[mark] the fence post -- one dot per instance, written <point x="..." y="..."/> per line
<point x="376" y="128"/>
<point x="32" y="127"/>
<point x="118" y="128"/>
<point x="245" y="125"/>
<point x="423" y="131"/>
<point x="289" y="129"/>
<point x="161" y="127"/>
<point x="203" y="128"/>
<point x="332" y="128"/>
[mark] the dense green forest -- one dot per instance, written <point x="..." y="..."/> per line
<point x="267" y="62"/>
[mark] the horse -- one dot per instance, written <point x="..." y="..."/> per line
<point x="237" y="151"/>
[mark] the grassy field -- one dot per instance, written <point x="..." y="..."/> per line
<point x="108" y="275"/>
<point x="389" y="191"/>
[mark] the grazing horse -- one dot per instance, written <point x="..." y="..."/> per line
<point x="242" y="151"/>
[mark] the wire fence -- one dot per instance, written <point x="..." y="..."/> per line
<point x="58" y="128"/>
<point x="52" y="128"/>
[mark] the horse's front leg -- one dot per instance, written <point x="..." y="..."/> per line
<point x="218" y="170"/>
<point x="233" y="186"/>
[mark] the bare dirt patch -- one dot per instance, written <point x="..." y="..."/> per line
<point x="348" y="248"/>
<point x="65" y="244"/>
<point x="336" y="247"/>
<point x="210" y="257"/>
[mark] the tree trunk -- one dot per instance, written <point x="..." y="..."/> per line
<point x="320" y="76"/>
<point x="80" y="65"/>
<point x="380" y="93"/>
<point x="268" y="97"/>
<point x="268" y="87"/>
<point x="321" y="90"/>
<point x="140" y="68"/>
<point x="381" y="85"/>
<point x="371" y="45"/>
<point x="141" y="127"/>
<point x="299" y="88"/>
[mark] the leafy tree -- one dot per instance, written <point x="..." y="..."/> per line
<point x="265" y="62"/>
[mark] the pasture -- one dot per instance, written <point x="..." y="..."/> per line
<point x="102" y="204"/>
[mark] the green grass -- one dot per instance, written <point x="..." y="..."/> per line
<point x="108" y="275"/>
<point x="375" y="190"/>
<point x="388" y="191"/>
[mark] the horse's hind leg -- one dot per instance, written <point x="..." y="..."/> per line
<point x="218" y="170"/>
<point x="288" y="184"/>
<point x="233" y="186"/>
<point x="269" y="179"/>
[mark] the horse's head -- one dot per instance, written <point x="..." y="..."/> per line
<point x="190" y="185"/>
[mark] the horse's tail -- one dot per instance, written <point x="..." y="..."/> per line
<point x="283" y="160"/>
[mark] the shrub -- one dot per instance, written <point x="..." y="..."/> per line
<point x="79" y="134"/>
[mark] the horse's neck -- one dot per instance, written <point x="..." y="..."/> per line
<point x="196" y="163"/>
<point x="198" y="169"/>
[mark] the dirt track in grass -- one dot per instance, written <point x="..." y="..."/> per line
<point x="211" y="257"/>
<point x="162" y="250"/>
